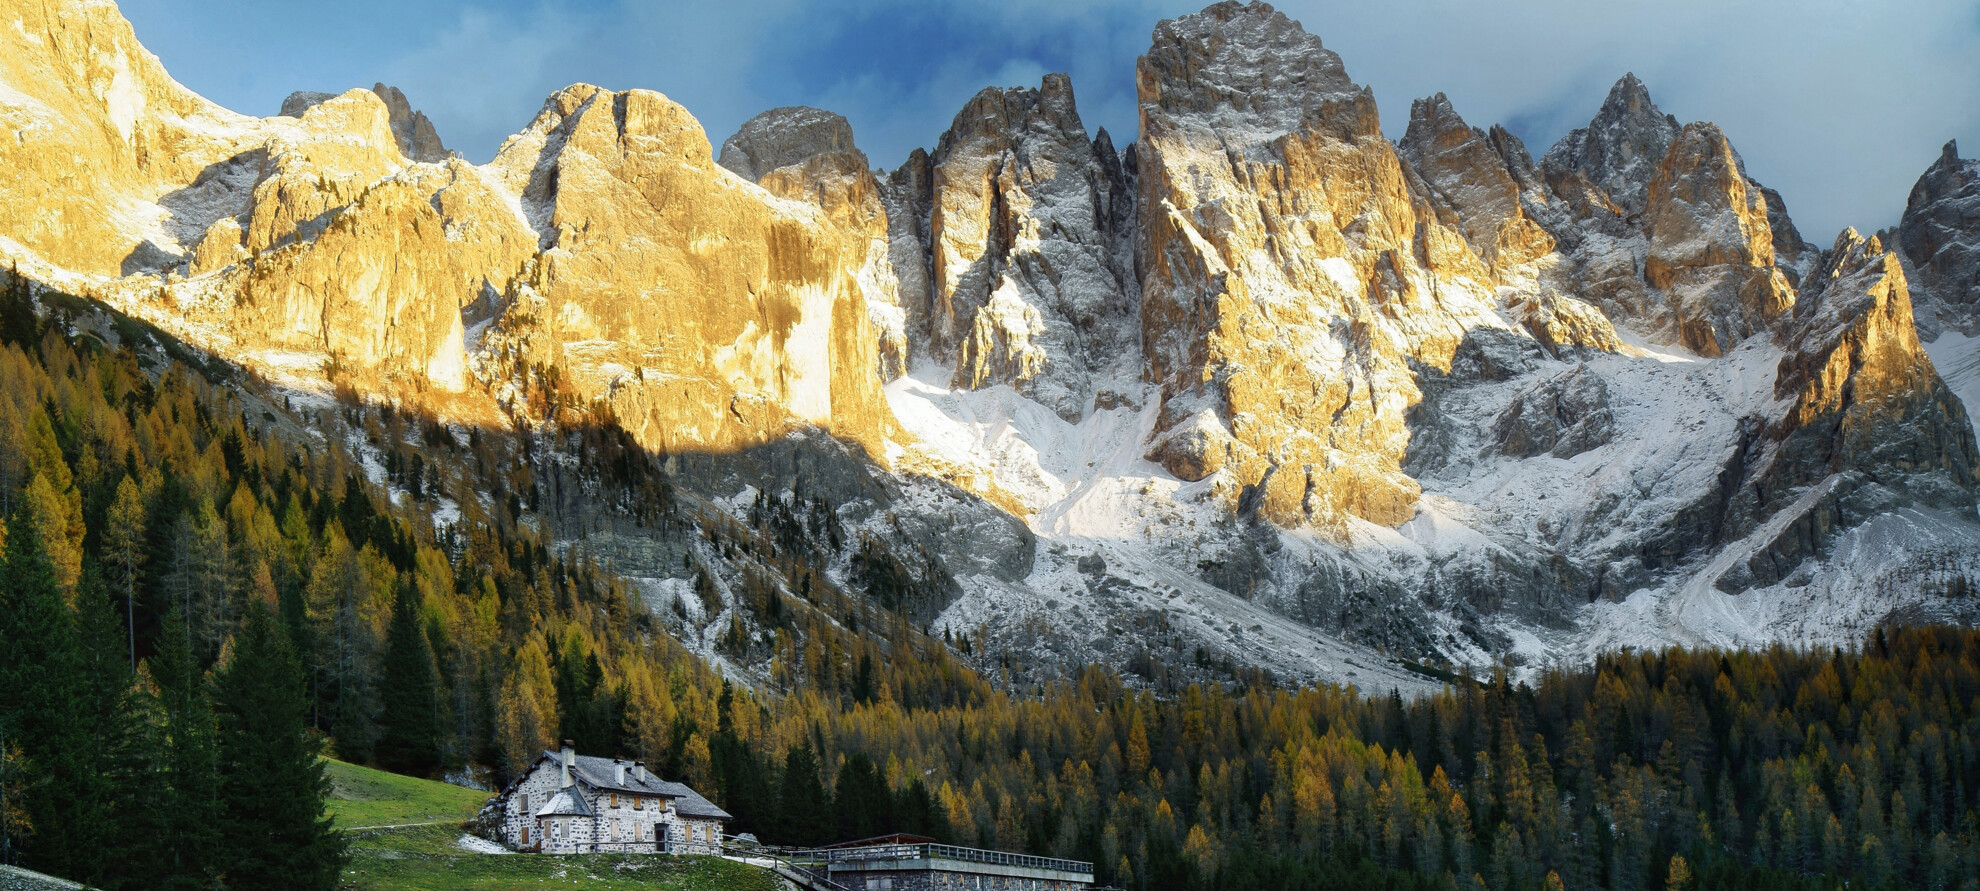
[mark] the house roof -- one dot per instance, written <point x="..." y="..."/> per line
<point x="566" y="803"/>
<point x="602" y="774"/>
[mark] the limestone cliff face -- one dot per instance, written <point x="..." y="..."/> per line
<point x="1711" y="246"/>
<point x="706" y="313"/>
<point x="1466" y="172"/>
<point x="1487" y="183"/>
<point x="1293" y="272"/>
<point x="1870" y="426"/>
<point x="410" y="128"/>
<point x="807" y="154"/>
<point x="1856" y="371"/>
<point x="383" y="286"/>
<point x="1940" y="235"/>
<point x="1031" y="277"/>
<point x="603" y="249"/>
<point x="96" y="134"/>
<point x="326" y="240"/>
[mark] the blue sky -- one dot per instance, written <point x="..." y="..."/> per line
<point x="1839" y="105"/>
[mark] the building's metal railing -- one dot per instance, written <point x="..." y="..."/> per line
<point x="947" y="852"/>
<point x="809" y="874"/>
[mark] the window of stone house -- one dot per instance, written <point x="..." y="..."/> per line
<point x="615" y="799"/>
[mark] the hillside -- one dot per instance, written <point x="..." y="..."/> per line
<point x="362" y="797"/>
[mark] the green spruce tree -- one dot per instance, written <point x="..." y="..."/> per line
<point x="127" y="742"/>
<point x="191" y="804"/>
<point x="803" y="809"/>
<point x="409" y="738"/>
<point x="45" y="710"/>
<point x="18" y="324"/>
<point x="272" y="780"/>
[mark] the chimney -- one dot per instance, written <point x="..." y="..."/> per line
<point x="570" y="761"/>
<point x="618" y="773"/>
<point x="639" y="770"/>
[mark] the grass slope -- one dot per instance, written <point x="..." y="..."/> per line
<point x="416" y="823"/>
<point x="360" y="796"/>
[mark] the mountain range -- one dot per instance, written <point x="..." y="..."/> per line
<point x="1259" y="388"/>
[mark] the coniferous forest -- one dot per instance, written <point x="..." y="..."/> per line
<point x="200" y="598"/>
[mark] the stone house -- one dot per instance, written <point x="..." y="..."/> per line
<point x="567" y="803"/>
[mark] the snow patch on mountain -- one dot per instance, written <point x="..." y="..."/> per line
<point x="1957" y="358"/>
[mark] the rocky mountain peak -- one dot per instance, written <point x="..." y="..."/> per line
<point x="1871" y="427"/>
<point x="1620" y="148"/>
<point x="411" y="129"/>
<point x="1014" y="115"/>
<point x="1940" y="236"/>
<point x="1030" y="270"/>
<point x="782" y="137"/>
<point x="416" y="136"/>
<point x="1473" y="174"/>
<point x="1238" y="63"/>
<point x="298" y="103"/>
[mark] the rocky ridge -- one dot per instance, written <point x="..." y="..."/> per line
<point x="1940" y="237"/>
<point x="1262" y="383"/>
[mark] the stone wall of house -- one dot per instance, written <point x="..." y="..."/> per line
<point x="568" y="835"/>
<point x="632" y="824"/>
<point x="697" y="837"/>
<point x="519" y="808"/>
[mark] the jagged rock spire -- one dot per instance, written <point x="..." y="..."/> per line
<point x="1619" y="150"/>
<point x="1940" y="235"/>
<point x="416" y="136"/>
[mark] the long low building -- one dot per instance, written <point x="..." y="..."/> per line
<point x="568" y="803"/>
<point x="899" y="863"/>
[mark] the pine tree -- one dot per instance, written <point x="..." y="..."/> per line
<point x="803" y="810"/>
<point x="16" y="825"/>
<point x="860" y="797"/>
<point x="127" y="745"/>
<point x="409" y="738"/>
<point x="46" y="711"/>
<point x="18" y="324"/>
<point x="272" y="780"/>
<point x="123" y="555"/>
<point x="191" y="804"/>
